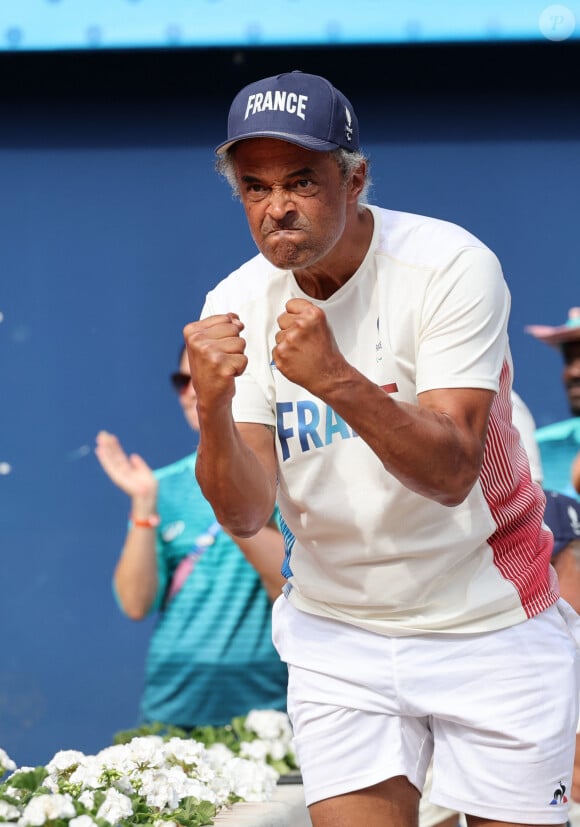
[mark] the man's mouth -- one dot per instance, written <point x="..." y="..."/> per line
<point x="282" y="231"/>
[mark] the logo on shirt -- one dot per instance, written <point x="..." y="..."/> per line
<point x="307" y="424"/>
<point x="310" y="424"/>
<point x="559" y="795"/>
<point x="173" y="530"/>
<point x="379" y="344"/>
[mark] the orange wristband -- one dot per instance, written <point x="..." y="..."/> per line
<point x="149" y="522"/>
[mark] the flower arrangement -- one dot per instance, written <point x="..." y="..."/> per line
<point x="261" y="735"/>
<point x="158" y="777"/>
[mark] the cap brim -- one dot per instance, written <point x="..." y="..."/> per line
<point x="554" y="336"/>
<point x="306" y="141"/>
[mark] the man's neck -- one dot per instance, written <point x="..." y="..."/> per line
<point x="328" y="275"/>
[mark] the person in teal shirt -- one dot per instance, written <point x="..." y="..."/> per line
<point x="211" y="656"/>
<point x="559" y="442"/>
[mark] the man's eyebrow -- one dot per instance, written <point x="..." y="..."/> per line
<point x="254" y="179"/>
<point x="303" y="171"/>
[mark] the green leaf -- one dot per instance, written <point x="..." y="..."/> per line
<point x="29" y="780"/>
<point x="194" y="813"/>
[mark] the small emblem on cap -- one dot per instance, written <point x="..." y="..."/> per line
<point x="348" y="124"/>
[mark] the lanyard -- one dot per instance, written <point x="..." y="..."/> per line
<point x="187" y="565"/>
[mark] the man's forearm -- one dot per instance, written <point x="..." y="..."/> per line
<point x="434" y="449"/>
<point x="237" y="474"/>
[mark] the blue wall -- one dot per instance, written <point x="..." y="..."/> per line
<point x="114" y="225"/>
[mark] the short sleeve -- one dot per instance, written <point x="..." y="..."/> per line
<point x="463" y="331"/>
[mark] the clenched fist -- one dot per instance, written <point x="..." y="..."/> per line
<point x="215" y="350"/>
<point x="306" y="351"/>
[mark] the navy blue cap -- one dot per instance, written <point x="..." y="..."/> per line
<point x="562" y="516"/>
<point x="296" y="107"/>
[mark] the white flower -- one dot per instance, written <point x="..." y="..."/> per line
<point x="278" y="750"/>
<point x="197" y="789"/>
<point x="185" y="750"/>
<point x="254" y="750"/>
<point x="15" y="793"/>
<point x="6" y="763"/>
<point x="65" y="760"/>
<point x="269" y="724"/>
<point x="47" y="807"/>
<point x="115" y="806"/>
<point x="218" y="754"/>
<point x="51" y="784"/>
<point x="252" y="781"/>
<point x="8" y="812"/>
<point x="163" y="772"/>
<point x="139" y="753"/>
<point x="82" y="821"/>
<point x="163" y="788"/>
<point x="87" y="799"/>
<point x="88" y="774"/>
<point x="115" y="757"/>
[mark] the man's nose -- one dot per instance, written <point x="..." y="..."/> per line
<point x="280" y="202"/>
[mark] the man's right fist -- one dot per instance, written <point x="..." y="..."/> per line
<point x="215" y="350"/>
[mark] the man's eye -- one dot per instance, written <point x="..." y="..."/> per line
<point x="304" y="187"/>
<point x="255" y="192"/>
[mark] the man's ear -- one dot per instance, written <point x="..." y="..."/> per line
<point x="357" y="181"/>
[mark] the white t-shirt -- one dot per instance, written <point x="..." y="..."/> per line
<point x="427" y="309"/>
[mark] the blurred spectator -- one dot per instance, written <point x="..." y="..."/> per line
<point x="576" y="473"/>
<point x="211" y="655"/>
<point x="562" y="516"/>
<point x="560" y="442"/>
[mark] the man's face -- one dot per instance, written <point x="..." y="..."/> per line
<point x="295" y="200"/>
<point x="188" y="396"/>
<point x="571" y="374"/>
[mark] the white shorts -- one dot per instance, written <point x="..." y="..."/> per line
<point x="497" y="712"/>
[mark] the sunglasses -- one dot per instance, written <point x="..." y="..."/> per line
<point x="180" y="381"/>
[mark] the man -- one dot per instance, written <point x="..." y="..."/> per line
<point x="560" y="442"/>
<point x="357" y="370"/>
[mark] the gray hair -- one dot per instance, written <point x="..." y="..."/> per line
<point x="347" y="163"/>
